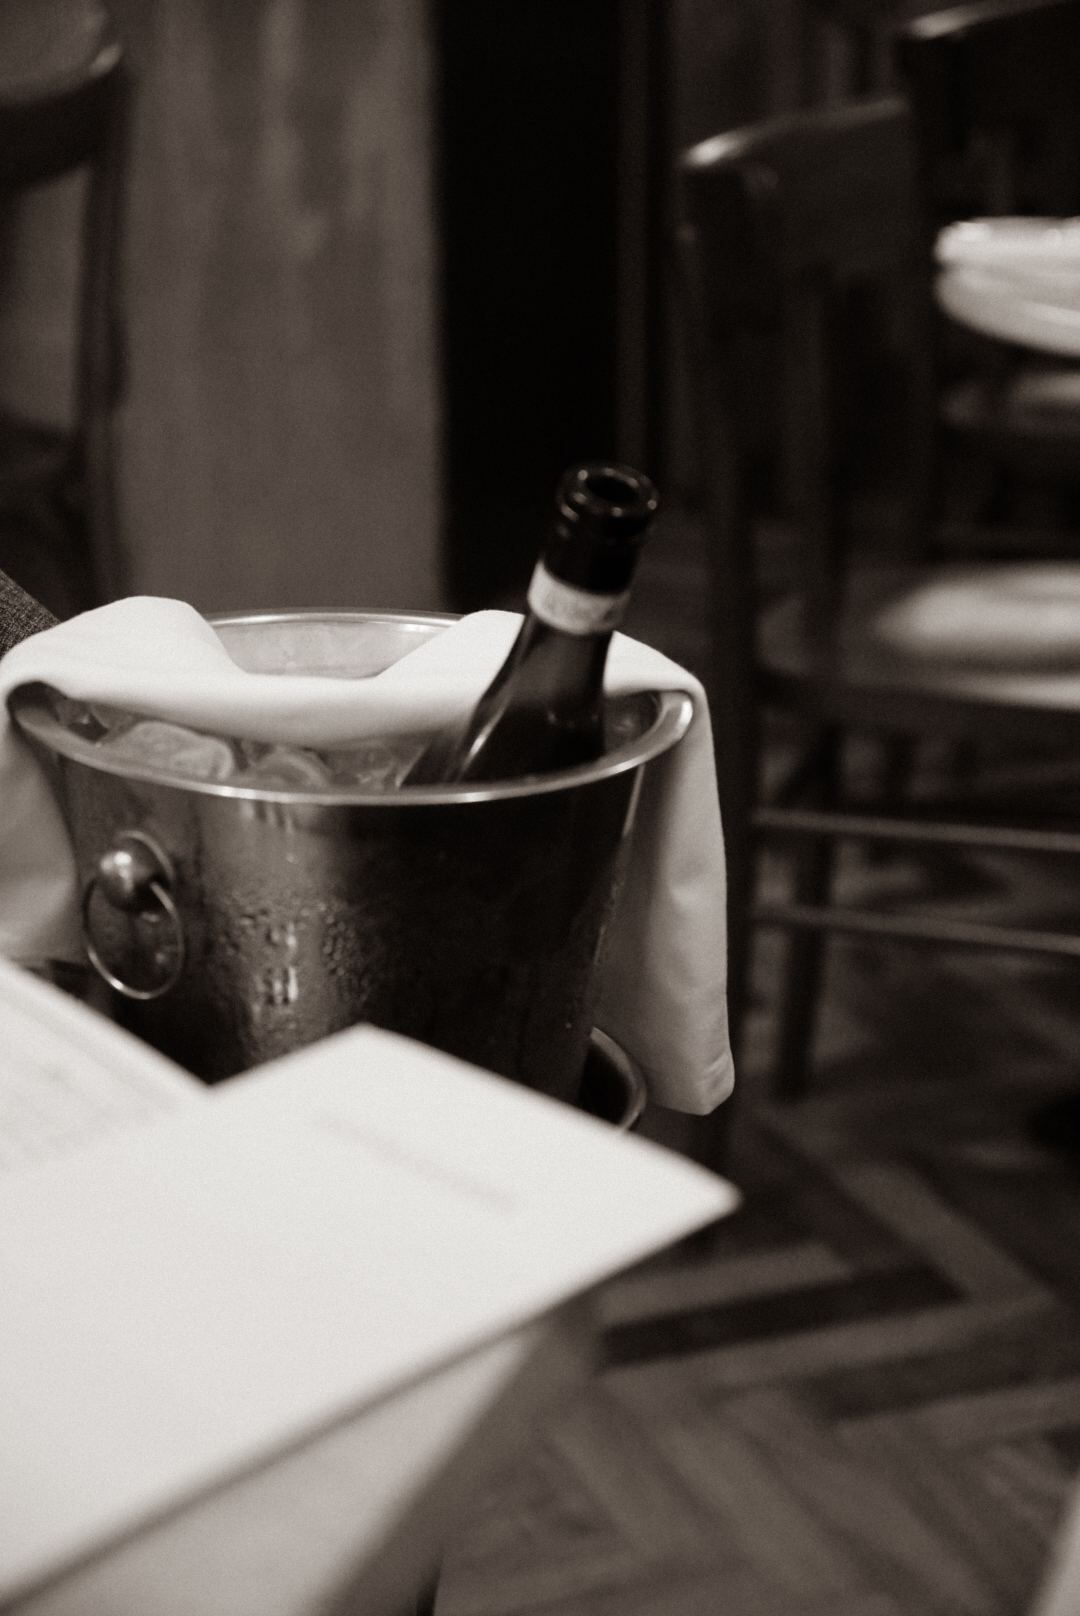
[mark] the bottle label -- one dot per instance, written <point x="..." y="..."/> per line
<point x="574" y="611"/>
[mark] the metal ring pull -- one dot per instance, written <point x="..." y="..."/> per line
<point x="134" y="878"/>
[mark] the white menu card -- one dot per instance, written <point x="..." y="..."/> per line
<point x="195" y="1278"/>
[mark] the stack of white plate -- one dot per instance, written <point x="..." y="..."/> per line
<point x="1017" y="279"/>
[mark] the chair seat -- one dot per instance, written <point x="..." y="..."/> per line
<point x="31" y="456"/>
<point x="967" y="650"/>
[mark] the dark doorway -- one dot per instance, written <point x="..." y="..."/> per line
<point x="544" y="120"/>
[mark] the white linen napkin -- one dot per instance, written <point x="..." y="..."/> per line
<point x="664" y="992"/>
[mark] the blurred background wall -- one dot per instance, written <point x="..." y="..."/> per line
<point x="282" y="430"/>
<point x="391" y="265"/>
<point x="280" y="441"/>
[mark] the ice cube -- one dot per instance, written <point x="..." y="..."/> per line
<point x="285" y="768"/>
<point x="77" y="716"/>
<point x="172" y="749"/>
<point x="376" y="765"/>
<point x="379" y="764"/>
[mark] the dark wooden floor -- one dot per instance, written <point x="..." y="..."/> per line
<point x="861" y="1394"/>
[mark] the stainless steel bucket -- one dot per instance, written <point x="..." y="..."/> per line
<point x="237" y="923"/>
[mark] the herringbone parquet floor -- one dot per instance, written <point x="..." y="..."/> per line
<point x="860" y="1395"/>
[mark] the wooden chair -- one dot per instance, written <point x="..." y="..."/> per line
<point x="866" y="26"/>
<point x="59" y="484"/>
<point x="791" y="229"/>
<point x="992" y="86"/>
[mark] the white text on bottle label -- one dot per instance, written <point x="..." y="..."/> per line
<point x="574" y="611"/>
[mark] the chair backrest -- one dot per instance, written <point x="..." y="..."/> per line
<point x="865" y="27"/>
<point x="64" y="106"/>
<point x="807" y="292"/>
<point x="808" y="289"/>
<point x="997" y="110"/>
<point x="51" y="127"/>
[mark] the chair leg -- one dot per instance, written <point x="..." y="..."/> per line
<point x="899" y="754"/>
<point x="102" y="518"/>
<point x="899" y="767"/>
<point x="425" y="1600"/>
<point x="805" y="965"/>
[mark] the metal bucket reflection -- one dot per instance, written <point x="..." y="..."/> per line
<point x="244" y="923"/>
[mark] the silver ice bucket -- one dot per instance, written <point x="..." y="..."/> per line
<point x="236" y="923"/>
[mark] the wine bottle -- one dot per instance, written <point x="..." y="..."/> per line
<point x="543" y="710"/>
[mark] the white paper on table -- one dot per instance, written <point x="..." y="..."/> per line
<point x="186" y="1297"/>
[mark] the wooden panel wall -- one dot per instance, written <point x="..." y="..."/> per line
<point x="280" y="440"/>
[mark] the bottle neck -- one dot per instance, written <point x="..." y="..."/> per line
<point x="571" y="609"/>
<point x="590" y="560"/>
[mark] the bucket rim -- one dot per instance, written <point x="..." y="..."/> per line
<point x="672" y="717"/>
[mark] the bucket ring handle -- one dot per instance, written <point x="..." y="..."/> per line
<point x="134" y="876"/>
